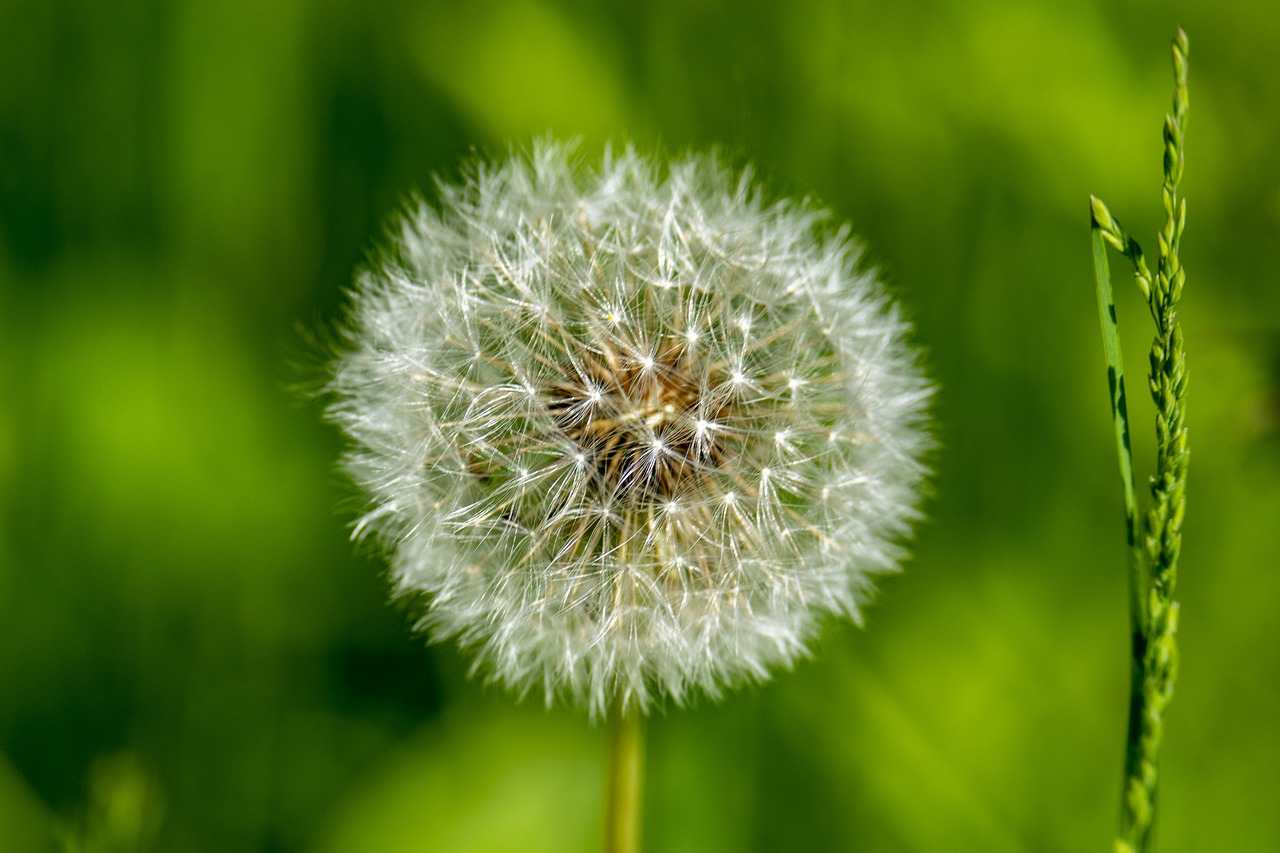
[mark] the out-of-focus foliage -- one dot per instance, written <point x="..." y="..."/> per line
<point x="192" y="657"/>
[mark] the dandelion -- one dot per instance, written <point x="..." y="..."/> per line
<point x="630" y="432"/>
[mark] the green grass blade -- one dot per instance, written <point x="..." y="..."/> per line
<point x="1119" y="413"/>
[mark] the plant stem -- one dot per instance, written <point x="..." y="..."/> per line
<point x="1153" y="565"/>
<point x="625" y="733"/>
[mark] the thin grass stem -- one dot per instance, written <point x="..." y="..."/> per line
<point x="1153" y="561"/>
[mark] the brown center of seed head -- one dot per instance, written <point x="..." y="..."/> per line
<point x="650" y="425"/>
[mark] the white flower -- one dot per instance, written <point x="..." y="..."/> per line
<point x="630" y="432"/>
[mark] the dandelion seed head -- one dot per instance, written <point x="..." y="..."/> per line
<point x="600" y="418"/>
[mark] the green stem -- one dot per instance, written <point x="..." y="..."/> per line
<point x="625" y="734"/>
<point x="1153" y="566"/>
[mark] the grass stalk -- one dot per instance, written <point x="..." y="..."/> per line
<point x="1153" y="561"/>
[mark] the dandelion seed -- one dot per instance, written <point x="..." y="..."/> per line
<point x="595" y="415"/>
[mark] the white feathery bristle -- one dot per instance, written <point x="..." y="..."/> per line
<point x="629" y="432"/>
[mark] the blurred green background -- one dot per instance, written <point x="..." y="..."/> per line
<point x="192" y="655"/>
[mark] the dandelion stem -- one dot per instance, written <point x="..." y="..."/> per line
<point x="625" y="733"/>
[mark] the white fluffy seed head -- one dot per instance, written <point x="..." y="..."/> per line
<point x="629" y="432"/>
